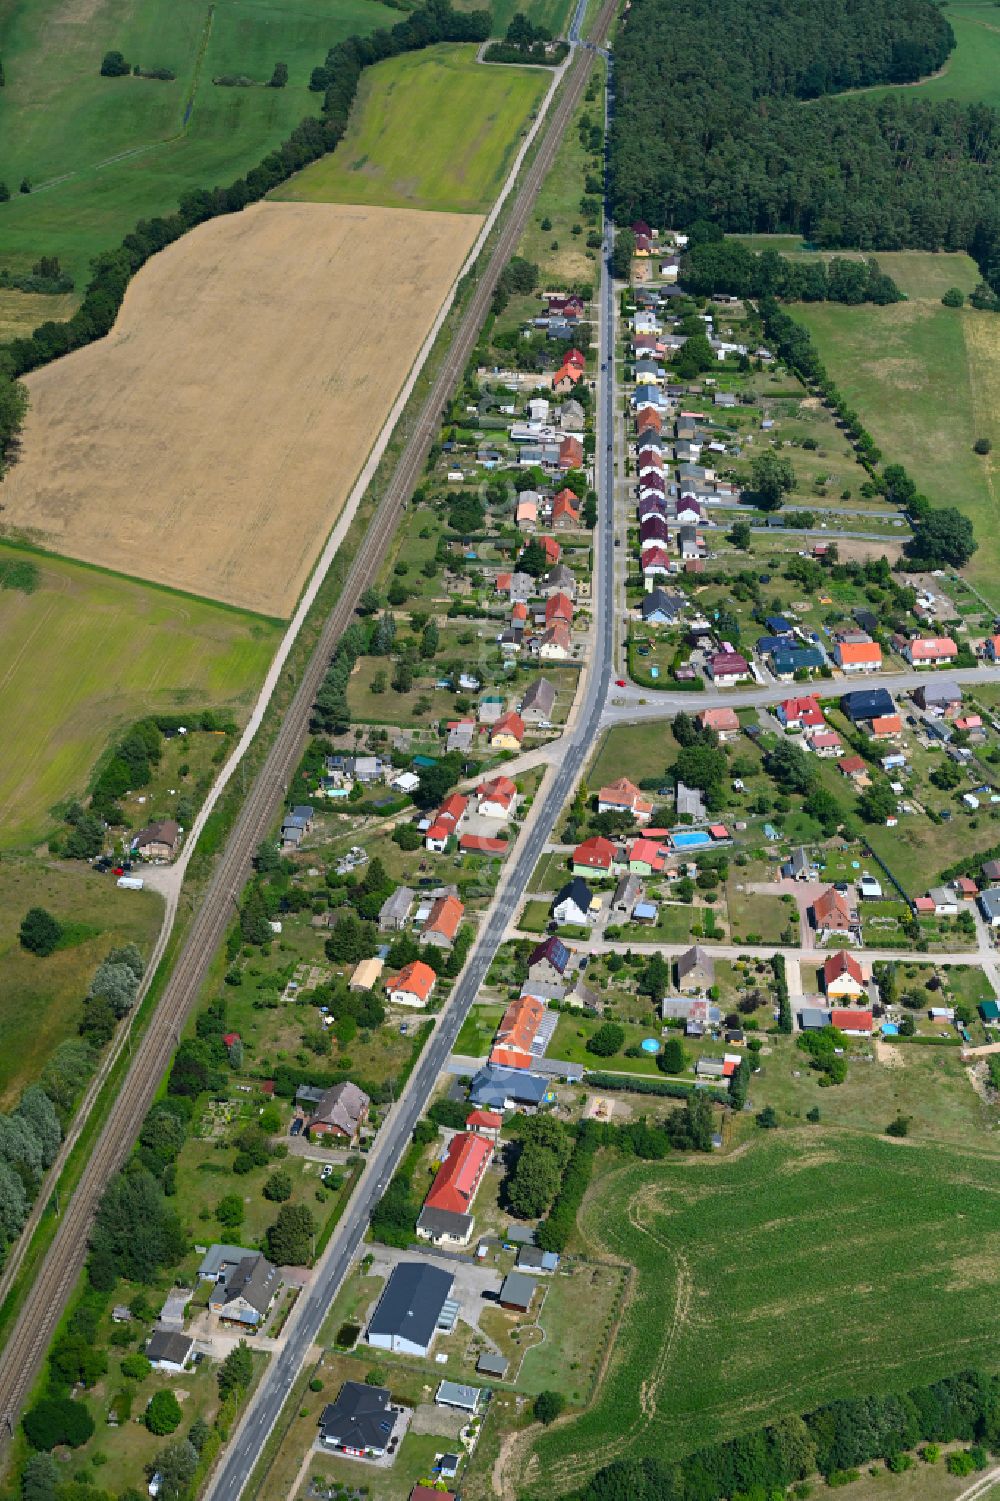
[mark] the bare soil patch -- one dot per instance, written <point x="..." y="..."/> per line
<point x="211" y="440"/>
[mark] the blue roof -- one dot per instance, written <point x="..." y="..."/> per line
<point x="769" y="644"/>
<point x="792" y="659"/>
<point x="867" y="703"/>
<point x="779" y="625"/>
<point x="645" y="909"/>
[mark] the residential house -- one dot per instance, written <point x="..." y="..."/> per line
<point x="410" y="1309"/>
<point x="517" y="1292"/>
<point x="858" y="656"/>
<point x="570" y="454"/>
<point x="551" y="549"/>
<point x="854" y="768"/>
<point x="488" y="1123"/>
<point x="866" y="704"/>
<point x="833" y="915"/>
<point x="158" y="841"/>
<point x="169" y="1351"/>
<point x="695" y="969"/>
<point x="517" y="1043"/>
<point x="945" y="901"/>
<point x="538" y="702"/>
<point x="496" y="797"/>
<point x="446" y="822"/>
<point x="572" y="904"/>
<point x="991" y="870"/>
<point x="508" y="1089"/>
<point x="556" y="644"/>
<point x="624" y="796"/>
<point x="942" y="696"/>
<point x="788" y="661"/>
<point x="843" y="977"/>
<point x="395" y="910"/>
<point x="559" y="580"/>
<point x="594" y="857"/>
<point x="800" y="713"/>
<point x="446" y="1217"/>
<point x="935" y="651"/>
<point x="628" y="891"/>
<point x="824" y="743"/>
<point x="558" y="607"/>
<point x="547" y="966"/>
<point x="565" y="511"/>
<point x="725" y="722"/>
<point x="852" y="1023"/>
<point x="508" y="732"/>
<point x="412" y="986"/>
<point x="886" y="727"/>
<point x="798" y="867"/>
<point x="726" y="668"/>
<point x="690" y="803"/>
<point x="655" y="564"/>
<point x="660" y="608"/>
<point x="526" y="517"/>
<point x="359" y="1423"/>
<point x="566" y="378"/>
<point x="243" y="1293"/>
<point x="646" y="857"/>
<point x="443" y="923"/>
<point x="339" y="1112"/>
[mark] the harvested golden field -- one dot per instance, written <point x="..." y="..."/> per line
<point x="210" y="441"/>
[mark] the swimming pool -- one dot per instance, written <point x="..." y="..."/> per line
<point x="650" y="1045"/>
<point x="690" y="839"/>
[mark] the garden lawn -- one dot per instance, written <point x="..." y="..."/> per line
<point x="431" y="129"/>
<point x="635" y="751"/>
<point x="569" y="1358"/>
<point x="762" y="1276"/>
<point x="924" y="379"/>
<point x="41" y="1000"/>
<point x="476" y="1036"/>
<point x="115" y="150"/>
<point x="90" y="652"/>
<point x="569" y="1043"/>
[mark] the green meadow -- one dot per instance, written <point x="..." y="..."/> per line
<point x="778" y="1278"/>
<point x="101" y="153"/>
<point x="88" y="653"/>
<point x="430" y="130"/>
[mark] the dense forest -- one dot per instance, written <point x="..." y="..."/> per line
<point x="729" y="112"/>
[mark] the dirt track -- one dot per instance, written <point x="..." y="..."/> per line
<point x="210" y="441"/>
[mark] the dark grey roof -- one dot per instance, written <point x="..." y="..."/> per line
<point x="255" y="1280"/>
<point x="540" y="696"/>
<point x="867" y="703"/>
<point x="360" y="1418"/>
<point x="493" y="1086"/>
<point x="163" y="1345"/>
<point x="343" y="1106"/>
<point x="518" y="1289"/>
<point x="576" y="891"/>
<point x="491" y="1365"/>
<point x="411" y="1302"/>
<point x="437" y="1222"/>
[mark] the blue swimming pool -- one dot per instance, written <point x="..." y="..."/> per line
<point x="650" y="1045"/>
<point x="690" y="839"/>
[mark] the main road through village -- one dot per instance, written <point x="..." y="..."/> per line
<point x="52" y="1282"/>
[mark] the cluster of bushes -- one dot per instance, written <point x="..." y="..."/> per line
<point x="112" y="993"/>
<point x="46" y="275"/>
<point x="557" y="1227"/>
<point x="785" y="1020"/>
<point x="716" y="265"/>
<point x="541" y="1155"/>
<point x="29" y="1140"/>
<point x="525" y="42"/>
<point x="833" y="1439"/>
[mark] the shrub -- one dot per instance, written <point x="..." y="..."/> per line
<point x="548" y="1406"/>
<point x="607" y="1040"/>
<point x="58" y="1420"/>
<point x="136" y="1367"/>
<point x="40" y="932"/>
<point x="163" y="1415"/>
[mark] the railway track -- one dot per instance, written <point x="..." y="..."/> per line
<point x="24" y="1351"/>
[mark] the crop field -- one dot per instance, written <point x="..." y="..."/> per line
<point x="551" y="13"/>
<point x="41" y="999"/>
<point x="432" y="130"/>
<point x="211" y="440"/>
<point x="87" y="654"/>
<point x="763" y="1283"/>
<point x="120" y="149"/>
<point x="925" y="379"/>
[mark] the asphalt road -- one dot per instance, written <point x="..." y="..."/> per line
<point x="263" y="1413"/>
<point x="55" y="1277"/>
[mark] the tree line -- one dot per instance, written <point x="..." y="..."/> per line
<point x="832" y="1439"/>
<point x="728" y="112"/>
<point x="714" y="265"/>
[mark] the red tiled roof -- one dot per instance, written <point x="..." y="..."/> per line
<point x="418" y="978"/>
<point x="851" y="1021"/>
<point x="445" y="917"/>
<point x="598" y="853"/>
<point x="454" y="1187"/>
<point x="840" y="964"/>
<point x="478" y="844"/>
<point x="510" y="723"/>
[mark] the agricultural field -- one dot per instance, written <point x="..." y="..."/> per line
<point x="676" y="1379"/>
<point x="923" y="378"/>
<point x="231" y="479"/>
<point x="121" y="149"/>
<point x="41" y="1001"/>
<point x="972" y="72"/>
<point x="553" y="14"/>
<point x="437" y="98"/>
<point x="87" y="654"/>
<point x="22" y="312"/>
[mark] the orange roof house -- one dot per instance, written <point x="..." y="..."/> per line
<point x="413" y="985"/>
<point x="854" y="1023"/>
<point x="508" y="731"/>
<point x="443" y="921"/>
<point x="832" y="911"/>
<point x="517" y="1031"/>
<point x="558" y="607"/>
<point x="565" y="509"/>
<point x="886" y="725"/>
<point x="486" y="1122"/>
<point x="858" y="656"/>
<point x="570" y="453"/>
<point x="648" y="419"/>
<point x="556" y="644"/>
<point x="843" y="975"/>
<point x="624" y="796"/>
<point x="553" y="552"/>
<point x="722" y="721"/>
<point x="566" y="378"/>
<point x="496" y="796"/>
